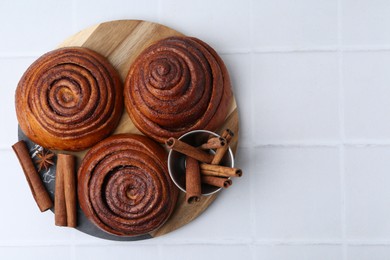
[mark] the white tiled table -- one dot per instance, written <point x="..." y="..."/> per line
<point x="312" y="82"/>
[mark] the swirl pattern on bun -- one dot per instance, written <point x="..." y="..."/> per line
<point x="177" y="85"/>
<point x="124" y="186"/>
<point x="69" y="99"/>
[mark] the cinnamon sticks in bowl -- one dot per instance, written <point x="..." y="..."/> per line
<point x="201" y="163"/>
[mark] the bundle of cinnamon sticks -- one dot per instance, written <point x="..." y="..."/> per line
<point x="203" y="167"/>
<point x="65" y="202"/>
<point x="65" y="199"/>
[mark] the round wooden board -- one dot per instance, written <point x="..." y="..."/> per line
<point x="121" y="42"/>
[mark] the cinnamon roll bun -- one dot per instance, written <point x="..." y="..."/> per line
<point x="177" y="85"/>
<point x="124" y="186"/>
<point x="69" y="99"/>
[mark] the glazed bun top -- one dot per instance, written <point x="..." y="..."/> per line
<point x="69" y="99"/>
<point x="177" y="85"/>
<point x="124" y="186"/>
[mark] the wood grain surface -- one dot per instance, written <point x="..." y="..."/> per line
<point x="121" y="42"/>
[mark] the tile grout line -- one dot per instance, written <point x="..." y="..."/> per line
<point x="325" y="48"/>
<point x="160" y="251"/>
<point x="252" y="250"/>
<point x="72" y="251"/>
<point x="251" y="134"/>
<point x="233" y="242"/>
<point x="343" y="191"/>
<point x="342" y="131"/>
<point x="329" y="144"/>
<point x="305" y="49"/>
<point x="264" y="50"/>
<point x="293" y="242"/>
<point x="159" y="11"/>
<point x="19" y="55"/>
<point x="74" y="23"/>
<point x="251" y="67"/>
<point x="73" y="246"/>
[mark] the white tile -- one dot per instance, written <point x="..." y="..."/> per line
<point x="229" y="216"/>
<point x="34" y="26"/>
<point x="294" y="23"/>
<point x="239" y="66"/>
<point x="365" y="22"/>
<point x="14" y="68"/>
<point x="297" y="193"/>
<point x="36" y="253"/>
<point x="295" y="97"/>
<point x="369" y="252"/>
<point x="87" y="14"/>
<point x="23" y="221"/>
<point x="129" y="250"/>
<point x="296" y="252"/>
<point x="189" y="252"/>
<point x="82" y="238"/>
<point x="367" y="192"/>
<point x="222" y="24"/>
<point x="367" y="94"/>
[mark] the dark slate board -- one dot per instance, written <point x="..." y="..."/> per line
<point x="84" y="225"/>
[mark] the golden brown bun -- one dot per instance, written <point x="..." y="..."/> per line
<point x="69" y="99"/>
<point x="124" y="187"/>
<point x="177" y="85"/>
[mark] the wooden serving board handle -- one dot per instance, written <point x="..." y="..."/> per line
<point x="121" y="42"/>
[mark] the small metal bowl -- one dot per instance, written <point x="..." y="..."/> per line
<point x="176" y="160"/>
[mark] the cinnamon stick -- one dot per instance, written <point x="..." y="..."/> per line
<point x="38" y="190"/>
<point x="70" y="189"/>
<point x="217" y="181"/>
<point x="193" y="184"/>
<point x="65" y="194"/>
<point x="220" y="152"/>
<point x="214" y="143"/>
<point x="59" y="194"/>
<point x="218" y="170"/>
<point x="186" y="149"/>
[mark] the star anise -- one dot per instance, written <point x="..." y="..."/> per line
<point x="45" y="159"/>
